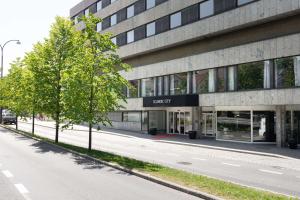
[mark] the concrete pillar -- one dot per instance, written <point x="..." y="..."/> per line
<point x="196" y="119"/>
<point x="280" y="126"/>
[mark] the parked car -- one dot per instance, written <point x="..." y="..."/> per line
<point x="8" y="117"/>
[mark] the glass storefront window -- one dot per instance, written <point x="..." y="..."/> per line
<point x="179" y="84"/>
<point x="148" y="87"/>
<point x="115" y="116"/>
<point x="132" y="116"/>
<point x="145" y="121"/>
<point x="201" y="81"/>
<point x="231" y="82"/>
<point x="284" y="72"/>
<point x="133" y="90"/>
<point x="221" y="81"/>
<point x="234" y="125"/>
<point x="251" y="76"/>
<point x="264" y="126"/>
<point x="157" y="119"/>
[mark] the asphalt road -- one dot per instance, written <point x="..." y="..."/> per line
<point x="34" y="170"/>
<point x="280" y="175"/>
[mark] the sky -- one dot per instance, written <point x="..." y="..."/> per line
<point x="28" y="21"/>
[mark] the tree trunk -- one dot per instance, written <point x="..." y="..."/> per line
<point x="90" y="136"/>
<point x="56" y="129"/>
<point x="17" y="122"/>
<point x="33" y="118"/>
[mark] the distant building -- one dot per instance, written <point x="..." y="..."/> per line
<point x="229" y="69"/>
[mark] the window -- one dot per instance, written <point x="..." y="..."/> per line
<point x="206" y="8"/>
<point x="106" y="23"/>
<point x="113" y="20"/>
<point x="201" y="81"/>
<point x="160" y="86"/>
<point x="231" y="78"/>
<point x="223" y="5"/>
<point x="178" y="84"/>
<point x="221" y="79"/>
<point x="111" y="1"/>
<point x="133" y="90"/>
<point x="175" y="20"/>
<point x="150" y="29"/>
<point x="162" y="24"/>
<point x="140" y="33"/>
<point x="234" y="125"/>
<point x="132" y="116"/>
<point x="148" y="87"/>
<point x="86" y="12"/>
<point x="121" y="15"/>
<point x="130" y="11"/>
<point x="166" y="85"/>
<point x="114" y="40"/>
<point x="242" y="2"/>
<point x="251" y="76"/>
<point x="190" y="14"/>
<point x="264" y="126"/>
<point x="99" y="5"/>
<point x="284" y="72"/>
<point x="76" y="19"/>
<point x="130" y="36"/>
<point x="105" y="3"/>
<point x="150" y="4"/>
<point x="139" y="7"/>
<point x="99" y="26"/>
<point x="122" y="39"/>
<point x="115" y="116"/>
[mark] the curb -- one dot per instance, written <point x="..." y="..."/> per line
<point x="129" y="171"/>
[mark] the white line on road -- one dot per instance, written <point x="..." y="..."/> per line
<point x="202" y="159"/>
<point x="271" y="172"/>
<point x="229" y="164"/>
<point x="21" y="188"/>
<point x="7" y="174"/>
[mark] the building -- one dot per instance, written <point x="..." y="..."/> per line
<point x="229" y="69"/>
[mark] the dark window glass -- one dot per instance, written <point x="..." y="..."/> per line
<point x="140" y="33"/>
<point x="221" y="79"/>
<point x="157" y="2"/>
<point x="285" y="74"/>
<point x="162" y="24"/>
<point x="105" y="3"/>
<point x="264" y="126"/>
<point x="122" y="39"/>
<point x="121" y="15"/>
<point x="223" y="5"/>
<point x="206" y="8"/>
<point x="106" y="23"/>
<point x="93" y="8"/>
<point x="190" y="14"/>
<point x="234" y="125"/>
<point x="134" y="89"/>
<point x="201" y="78"/>
<point x="242" y="2"/>
<point x="80" y="15"/>
<point x="139" y="6"/>
<point x="251" y="76"/>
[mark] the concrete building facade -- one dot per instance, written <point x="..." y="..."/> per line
<point x="228" y="69"/>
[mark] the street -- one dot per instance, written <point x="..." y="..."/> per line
<point x="281" y="175"/>
<point x="34" y="170"/>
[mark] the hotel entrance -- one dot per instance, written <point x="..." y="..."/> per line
<point x="179" y="122"/>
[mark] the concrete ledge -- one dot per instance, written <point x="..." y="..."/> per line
<point x="129" y="171"/>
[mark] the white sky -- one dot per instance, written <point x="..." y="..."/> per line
<point x="29" y="21"/>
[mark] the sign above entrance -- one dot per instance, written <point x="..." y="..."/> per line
<point x="172" y="101"/>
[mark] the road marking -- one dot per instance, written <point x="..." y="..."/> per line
<point x="271" y="172"/>
<point x="233" y="165"/>
<point x="202" y="159"/>
<point x="21" y="188"/>
<point x="7" y="174"/>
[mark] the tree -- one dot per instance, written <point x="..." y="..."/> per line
<point x="48" y="63"/>
<point x="17" y="89"/>
<point x="94" y="87"/>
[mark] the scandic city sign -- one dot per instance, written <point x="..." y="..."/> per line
<point x="172" y="101"/>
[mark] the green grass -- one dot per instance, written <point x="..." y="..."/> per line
<point x="212" y="186"/>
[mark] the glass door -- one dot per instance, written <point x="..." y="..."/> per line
<point x="178" y="122"/>
<point x="209" y="124"/>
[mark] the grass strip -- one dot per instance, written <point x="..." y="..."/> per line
<point x="212" y="186"/>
